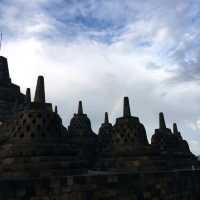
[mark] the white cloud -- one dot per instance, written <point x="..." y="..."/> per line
<point x="198" y="124"/>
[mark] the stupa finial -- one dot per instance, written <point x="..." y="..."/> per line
<point x="56" y="109"/>
<point x="106" y="120"/>
<point x="40" y="91"/>
<point x="162" y="121"/>
<point x="175" y="129"/>
<point x="4" y="71"/>
<point x="80" y="108"/>
<point x="127" y="112"/>
<point x="28" y="95"/>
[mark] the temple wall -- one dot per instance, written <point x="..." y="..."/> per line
<point x="182" y="185"/>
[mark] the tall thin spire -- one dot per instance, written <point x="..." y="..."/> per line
<point x="40" y="91"/>
<point x="28" y="95"/>
<point x="80" y="108"/>
<point x="175" y="129"/>
<point x="162" y="121"/>
<point x="4" y="71"/>
<point x="127" y="112"/>
<point x="56" y="109"/>
<point x="106" y="121"/>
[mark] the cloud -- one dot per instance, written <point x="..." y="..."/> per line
<point x="100" y="51"/>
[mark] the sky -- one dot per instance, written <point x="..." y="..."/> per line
<point x="100" y="51"/>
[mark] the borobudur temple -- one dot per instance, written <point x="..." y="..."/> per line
<point x="41" y="159"/>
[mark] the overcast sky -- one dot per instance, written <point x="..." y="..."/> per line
<point x="101" y="50"/>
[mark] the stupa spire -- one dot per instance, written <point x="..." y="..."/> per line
<point x="162" y="121"/>
<point x="127" y="112"/>
<point x="106" y="121"/>
<point x="175" y="129"/>
<point x="80" y="108"/>
<point x="40" y="91"/>
<point x="4" y="71"/>
<point x="28" y="95"/>
<point x="56" y="109"/>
